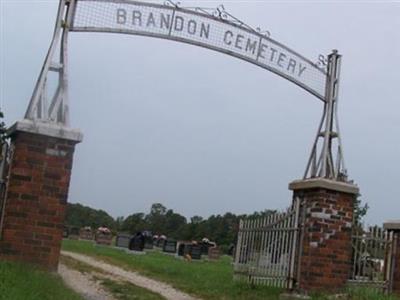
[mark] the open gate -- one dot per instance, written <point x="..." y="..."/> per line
<point x="267" y="248"/>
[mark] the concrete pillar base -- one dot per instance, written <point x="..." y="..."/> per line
<point x="324" y="262"/>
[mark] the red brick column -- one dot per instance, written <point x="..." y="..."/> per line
<point x="394" y="259"/>
<point x="324" y="262"/>
<point x="37" y="192"/>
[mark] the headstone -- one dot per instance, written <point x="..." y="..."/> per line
<point x="86" y="233"/>
<point x="187" y="250"/>
<point x="231" y="250"/>
<point x="73" y="233"/>
<point x="148" y="244"/>
<point x="169" y="246"/>
<point x="148" y="240"/>
<point x="123" y="240"/>
<point x="103" y="236"/>
<point x="196" y="252"/>
<point x="65" y="232"/>
<point x="204" y="248"/>
<point x="161" y="243"/>
<point x="137" y="242"/>
<point x="214" y="253"/>
<point x="181" y="249"/>
<point x="104" y="239"/>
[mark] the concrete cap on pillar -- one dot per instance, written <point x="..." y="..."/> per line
<point x="314" y="183"/>
<point x="392" y="225"/>
<point x="49" y="129"/>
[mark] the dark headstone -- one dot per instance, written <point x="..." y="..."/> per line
<point x="73" y="233"/>
<point x="231" y="250"/>
<point x="148" y="239"/>
<point x="187" y="250"/>
<point x="196" y="252"/>
<point x="148" y="243"/>
<point x="123" y="240"/>
<point x="137" y="242"/>
<point x="65" y="232"/>
<point x="161" y="243"/>
<point x="169" y="246"/>
<point x="181" y="249"/>
<point x="204" y="248"/>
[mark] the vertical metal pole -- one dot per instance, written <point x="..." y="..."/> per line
<point x="294" y="249"/>
<point x="32" y="110"/>
<point x="330" y="102"/>
<point x="64" y="60"/>
<point x="325" y="166"/>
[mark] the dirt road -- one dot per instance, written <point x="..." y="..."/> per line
<point x="83" y="284"/>
<point x="161" y="288"/>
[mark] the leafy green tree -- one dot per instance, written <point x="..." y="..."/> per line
<point x="174" y="224"/>
<point x="119" y="221"/>
<point x="134" y="223"/>
<point x="156" y="219"/>
<point x="360" y="210"/>
<point x="80" y="216"/>
<point x="196" y="219"/>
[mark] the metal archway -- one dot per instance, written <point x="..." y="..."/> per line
<point x="214" y="29"/>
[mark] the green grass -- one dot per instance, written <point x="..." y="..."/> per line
<point x="23" y="282"/>
<point x="369" y="294"/>
<point x="209" y="280"/>
<point x="127" y="291"/>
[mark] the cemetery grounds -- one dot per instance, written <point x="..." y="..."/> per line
<point x="201" y="279"/>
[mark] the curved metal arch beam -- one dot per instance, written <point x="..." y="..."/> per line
<point x="146" y="19"/>
<point x="97" y="17"/>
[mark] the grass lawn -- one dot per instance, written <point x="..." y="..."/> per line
<point x="23" y="282"/>
<point x="209" y="280"/>
<point x="369" y="294"/>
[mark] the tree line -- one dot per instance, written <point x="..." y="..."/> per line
<point x="160" y="220"/>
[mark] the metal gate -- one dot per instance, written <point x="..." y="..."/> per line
<point x="266" y="250"/>
<point x="372" y="257"/>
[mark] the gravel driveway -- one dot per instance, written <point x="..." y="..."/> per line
<point x="161" y="288"/>
<point x="83" y="284"/>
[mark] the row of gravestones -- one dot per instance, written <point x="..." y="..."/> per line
<point x="101" y="236"/>
<point x="191" y="250"/>
<point x="144" y="240"/>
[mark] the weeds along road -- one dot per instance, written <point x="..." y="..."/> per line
<point x="155" y="286"/>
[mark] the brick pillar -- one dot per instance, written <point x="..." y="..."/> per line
<point x="393" y="257"/>
<point x="325" y="255"/>
<point x="37" y="192"/>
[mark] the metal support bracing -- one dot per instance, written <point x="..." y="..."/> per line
<point x="54" y="108"/>
<point x="323" y="162"/>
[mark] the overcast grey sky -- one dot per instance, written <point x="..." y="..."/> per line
<point x="205" y="133"/>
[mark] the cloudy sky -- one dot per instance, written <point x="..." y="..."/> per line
<point x="205" y="133"/>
